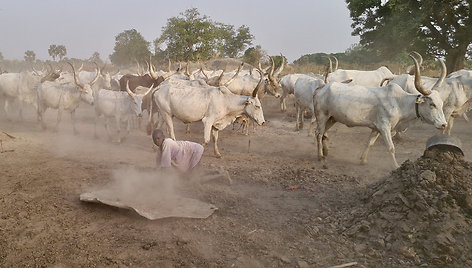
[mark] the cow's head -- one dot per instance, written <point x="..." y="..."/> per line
<point x="272" y="85"/>
<point x="253" y="107"/>
<point x="137" y="99"/>
<point x="86" y="92"/>
<point x="429" y="105"/>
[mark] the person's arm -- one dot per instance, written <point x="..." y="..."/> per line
<point x="165" y="156"/>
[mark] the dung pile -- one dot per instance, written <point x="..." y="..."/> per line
<point x="420" y="214"/>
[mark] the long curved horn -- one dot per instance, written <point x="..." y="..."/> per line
<point x="420" y="57"/>
<point x="336" y="63"/>
<point x="102" y="70"/>
<point x="235" y="75"/>
<point x="80" y="68"/>
<point x="76" y="79"/>
<point x="203" y="72"/>
<point x="128" y="90"/>
<point x="220" y="78"/>
<point x="152" y="72"/>
<point x="187" y="73"/>
<point x="329" y="68"/>
<point x="259" y="85"/>
<point x="96" y="76"/>
<point x="271" y="73"/>
<point x="147" y="92"/>
<point x="441" y="79"/>
<point x="281" y="67"/>
<point x="418" y="84"/>
<point x="167" y="75"/>
<point x="32" y="67"/>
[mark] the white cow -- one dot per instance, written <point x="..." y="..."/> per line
<point x="216" y="107"/>
<point x="304" y="92"/>
<point x="243" y="84"/>
<point x="288" y="85"/>
<point x="456" y="92"/>
<point x="63" y="96"/>
<point x="120" y="105"/>
<point x="381" y="109"/>
<point x="21" y="87"/>
<point x="361" y="78"/>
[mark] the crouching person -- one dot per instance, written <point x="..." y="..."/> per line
<point x="183" y="157"/>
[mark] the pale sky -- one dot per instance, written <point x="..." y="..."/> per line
<point x="293" y="28"/>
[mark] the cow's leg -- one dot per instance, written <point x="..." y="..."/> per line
<point x="372" y="138"/>
<point x="118" y="127"/>
<point x="246" y="126"/>
<point x="298" y="124"/>
<point x="324" y="140"/>
<point x="72" y="117"/>
<point x="312" y="123"/>
<point x="187" y="128"/>
<point x="214" y="135"/>
<point x="41" y="112"/>
<point x="20" y="110"/>
<point x="59" y="117"/>
<point x="283" y="106"/>
<point x="320" y="132"/>
<point x="387" y="135"/>
<point x="107" y="127"/>
<point x="170" y="126"/>
<point x="207" y="127"/>
<point x="5" y="108"/>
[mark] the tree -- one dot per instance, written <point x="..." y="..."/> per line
<point x="1" y="56"/>
<point x="234" y="42"/>
<point x="61" y="51"/>
<point x="96" y="58"/>
<point x="30" y="56"/>
<point x="57" y="51"/>
<point x="192" y="37"/>
<point x="130" y="46"/>
<point x="52" y="52"/>
<point x="253" y="55"/>
<point x="438" y="28"/>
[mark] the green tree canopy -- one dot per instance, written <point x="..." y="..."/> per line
<point x="195" y="37"/>
<point x="52" y="51"/>
<point x="56" y="51"/>
<point x="30" y="56"/>
<point x="130" y="46"/>
<point x="253" y="55"/>
<point x="437" y="28"/>
<point x="61" y="51"/>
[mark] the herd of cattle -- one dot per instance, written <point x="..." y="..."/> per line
<point x="218" y="98"/>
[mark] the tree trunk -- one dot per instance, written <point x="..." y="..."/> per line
<point x="455" y="58"/>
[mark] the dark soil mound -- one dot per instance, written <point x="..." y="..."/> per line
<point x="422" y="213"/>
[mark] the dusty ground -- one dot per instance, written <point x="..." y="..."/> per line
<point x="284" y="209"/>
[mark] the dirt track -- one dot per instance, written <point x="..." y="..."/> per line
<point x="284" y="208"/>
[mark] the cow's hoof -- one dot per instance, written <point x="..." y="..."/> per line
<point x="218" y="155"/>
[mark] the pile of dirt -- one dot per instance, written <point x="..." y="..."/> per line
<point x="421" y="214"/>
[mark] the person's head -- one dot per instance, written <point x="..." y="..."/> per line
<point x="158" y="137"/>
